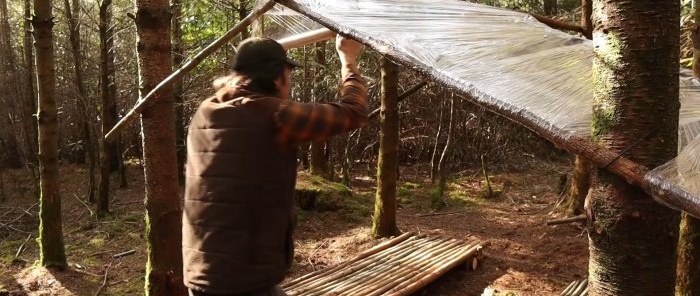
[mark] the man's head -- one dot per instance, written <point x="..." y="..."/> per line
<point x="265" y="63"/>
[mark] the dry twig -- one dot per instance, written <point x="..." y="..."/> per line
<point x="21" y="247"/>
<point x="104" y="280"/>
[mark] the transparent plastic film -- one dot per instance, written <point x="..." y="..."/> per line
<point x="507" y="56"/>
<point x="505" y="60"/>
<point x="680" y="176"/>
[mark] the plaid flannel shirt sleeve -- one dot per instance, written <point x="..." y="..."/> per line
<point x="299" y="122"/>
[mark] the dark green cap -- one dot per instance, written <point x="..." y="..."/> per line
<point x="254" y="52"/>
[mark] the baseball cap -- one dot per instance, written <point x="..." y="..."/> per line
<point x="257" y="51"/>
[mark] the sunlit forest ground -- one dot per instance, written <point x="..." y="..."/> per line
<point x="526" y="257"/>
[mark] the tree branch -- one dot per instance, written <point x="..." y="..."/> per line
<point x="559" y="25"/>
<point x="401" y="97"/>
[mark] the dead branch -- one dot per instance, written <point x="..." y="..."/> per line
<point x="100" y="253"/>
<point x="579" y="218"/>
<point x="25" y="212"/>
<point x="122" y="254"/>
<point x="82" y="202"/>
<point x="21" y="247"/>
<point x="559" y="25"/>
<point x="104" y="281"/>
<point x="401" y="97"/>
<point x="441" y="214"/>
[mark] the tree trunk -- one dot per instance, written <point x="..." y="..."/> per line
<point x="586" y="22"/>
<point x="581" y="179"/>
<point x="122" y="167"/>
<point x="109" y="105"/>
<point x="178" y="91"/>
<point x="434" y="159"/>
<point x="319" y="162"/>
<point x="73" y="16"/>
<point x="550" y="7"/>
<point x="688" y="267"/>
<point x="2" y="182"/>
<point x="242" y="13"/>
<point x="50" y="222"/>
<point x="635" y="110"/>
<point x="163" y="212"/>
<point x="438" y="201"/>
<point x="30" y="97"/>
<point x="10" y="85"/>
<point x="384" y="222"/>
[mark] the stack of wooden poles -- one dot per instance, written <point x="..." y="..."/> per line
<point x="400" y="266"/>
<point x="576" y="288"/>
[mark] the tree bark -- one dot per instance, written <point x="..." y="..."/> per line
<point x="550" y="7"/>
<point x="14" y="152"/>
<point x="688" y="266"/>
<point x="438" y="201"/>
<point x="242" y="13"/>
<point x="434" y="159"/>
<point x="73" y="16"/>
<point x="50" y="222"/>
<point x="586" y="22"/>
<point x="578" y="190"/>
<point x="319" y="163"/>
<point x="30" y="96"/>
<point x="635" y="111"/>
<point x="163" y="212"/>
<point x="109" y="105"/>
<point x="178" y="91"/>
<point x="384" y="222"/>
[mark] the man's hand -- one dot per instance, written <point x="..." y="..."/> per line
<point x="348" y="50"/>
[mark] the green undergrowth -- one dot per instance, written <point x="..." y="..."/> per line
<point x="357" y="204"/>
<point x="316" y="194"/>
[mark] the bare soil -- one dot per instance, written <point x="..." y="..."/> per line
<point x="526" y="257"/>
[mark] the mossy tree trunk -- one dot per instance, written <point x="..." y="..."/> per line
<point x="635" y="73"/>
<point x="163" y="212"/>
<point x="109" y="105"/>
<point x="688" y="268"/>
<point x="50" y="223"/>
<point x="384" y="222"/>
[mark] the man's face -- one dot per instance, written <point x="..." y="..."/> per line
<point x="284" y="86"/>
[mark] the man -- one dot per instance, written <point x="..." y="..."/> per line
<point x="241" y="168"/>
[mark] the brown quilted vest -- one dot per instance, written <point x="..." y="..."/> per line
<point x="237" y="218"/>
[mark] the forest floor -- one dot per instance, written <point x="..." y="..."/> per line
<point x="526" y="257"/>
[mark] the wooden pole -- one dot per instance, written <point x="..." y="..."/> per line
<point x="191" y="64"/>
<point x="376" y="249"/>
<point x="398" y="268"/>
<point x="370" y="263"/>
<point x="306" y="38"/>
<point x="421" y="280"/>
<point x="321" y="283"/>
<point x="407" y="271"/>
